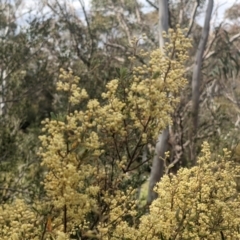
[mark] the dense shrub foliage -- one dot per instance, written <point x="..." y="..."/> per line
<point x="197" y="203"/>
<point x="91" y="165"/>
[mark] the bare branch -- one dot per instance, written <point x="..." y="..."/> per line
<point x="209" y="54"/>
<point x="206" y="53"/>
<point x="124" y="49"/>
<point x="196" y="78"/>
<point x="138" y="15"/>
<point x="88" y="24"/>
<point x="181" y="11"/>
<point x="124" y="27"/>
<point x="194" y="12"/>
<point x="152" y="4"/>
<point x="235" y="37"/>
<point x="115" y="45"/>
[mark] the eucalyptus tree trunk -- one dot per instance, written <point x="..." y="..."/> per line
<point x="196" y="78"/>
<point x="162" y="142"/>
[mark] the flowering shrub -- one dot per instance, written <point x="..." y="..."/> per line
<point x="197" y="203"/>
<point x="91" y="162"/>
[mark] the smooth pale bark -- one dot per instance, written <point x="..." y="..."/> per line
<point x="2" y="92"/>
<point x="163" y="21"/>
<point x="157" y="170"/>
<point x="196" y="78"/>
<point x="144" y="159"/>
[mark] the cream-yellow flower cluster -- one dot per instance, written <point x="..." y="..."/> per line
<point x="68" y="83"/>
<point x="89" y="157"/>
<point x="19" y="221"/>
<point x="197" y="203"/>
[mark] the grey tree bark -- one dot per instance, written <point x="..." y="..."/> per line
<point x="196" y="78"/>
<point x="162" y="142"/>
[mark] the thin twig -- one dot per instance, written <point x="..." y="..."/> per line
<point x="152" y="4"/>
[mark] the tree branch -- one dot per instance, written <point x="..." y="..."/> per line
<point x="209" y="54"/>
<point x="191" y="22"/>
<point x="196" y="78"/>
<point x="152" y="4"/>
